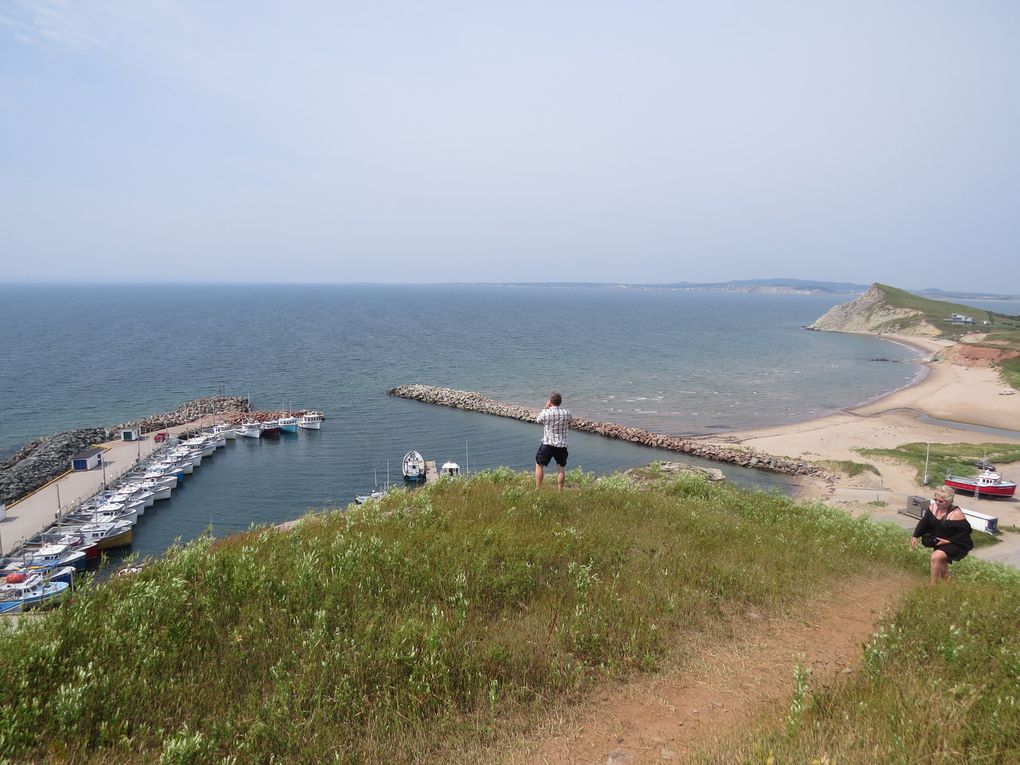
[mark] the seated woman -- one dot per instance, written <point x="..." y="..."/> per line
<point x="945" y="529"/>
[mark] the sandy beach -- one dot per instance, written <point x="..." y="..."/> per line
<point x="955" y="389"/>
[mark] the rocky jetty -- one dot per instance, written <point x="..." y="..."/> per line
<point x="476" y="402"/>
<point x="228" y="406"/>
<point x="42" y="460"/>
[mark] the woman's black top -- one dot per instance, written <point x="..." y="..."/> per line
<point x="957" y="532"/>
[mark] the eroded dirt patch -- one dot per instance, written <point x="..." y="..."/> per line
<point x="720" y="686"/>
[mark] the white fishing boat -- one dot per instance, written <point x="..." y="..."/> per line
<point x="225" y="430"/>
<point x="311" y="420"/>
<point x="50" y="554"/>
<point x="413" y="467"/>
<point x="19" y="591"/>
<point x="250" y="430"/>
<point x="107" y="535"/>
<point x="203" y="444"/>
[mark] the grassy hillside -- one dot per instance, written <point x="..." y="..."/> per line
<point x="937" y="313"/>
<point x="412" y="628"/>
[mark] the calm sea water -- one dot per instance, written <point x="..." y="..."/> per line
<point x="674" y="362"/>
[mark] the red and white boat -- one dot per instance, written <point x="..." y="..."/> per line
<point x="989" y="483"/>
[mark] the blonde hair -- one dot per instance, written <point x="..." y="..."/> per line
<point x="946" y="492"/>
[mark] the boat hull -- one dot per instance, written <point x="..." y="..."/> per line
<point x="1001" y="489"/>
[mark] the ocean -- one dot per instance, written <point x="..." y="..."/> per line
<point x="678" y="362"/>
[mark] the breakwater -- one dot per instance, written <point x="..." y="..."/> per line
<point x="43" y="459"/>
<point x="229" y="406"/>
<point x="476" y="402"/>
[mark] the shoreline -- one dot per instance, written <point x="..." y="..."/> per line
<point x="951" y="391"/>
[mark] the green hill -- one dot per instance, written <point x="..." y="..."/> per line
<point x="445" y="620"/>
<point x="885" y="309"/>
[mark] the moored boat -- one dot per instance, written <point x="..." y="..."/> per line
<point x="19" y="591"/>
<point x="987" y="483"/>
<point x="413" y="467"/>
<point x="226" y="431"/>
<point x="450" y="469"/>
<point x="288" y="424"/>
<point x="311" y="420"/>
<point x="270" y="428"/>
<point x="250" y="430"/>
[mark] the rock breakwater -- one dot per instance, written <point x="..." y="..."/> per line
<point x="42" y="460"/>
<point x="185" y="413"/>
<point x="476" y="402"/>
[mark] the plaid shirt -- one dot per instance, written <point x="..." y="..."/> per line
<point x="556" y="420"/>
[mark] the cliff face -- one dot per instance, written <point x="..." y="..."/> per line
<point x="871" y="312"/>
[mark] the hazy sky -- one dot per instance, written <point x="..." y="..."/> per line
<point x="178" y="140"/>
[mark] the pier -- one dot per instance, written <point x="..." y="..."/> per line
<point x="431" y="472"/>
<point x="39" y="510"/>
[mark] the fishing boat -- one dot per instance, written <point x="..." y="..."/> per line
<point x="20" y="591"/>
<point x="288" y="423"/>
<point x="250" y="430"/>
<point x="311" y="420"/>
<point x="270" y="428"/>
<point x="106" y="536"/>
<point x="49" y="554"/>
<point x="413" y="467"/>
<point x="987" y="483"/>
<point x="225" y="430"/>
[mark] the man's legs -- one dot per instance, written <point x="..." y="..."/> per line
<point x="561" y="474"/>
<point x="539" y="475"/>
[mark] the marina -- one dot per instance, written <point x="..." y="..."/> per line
<point x="94" y="506"/>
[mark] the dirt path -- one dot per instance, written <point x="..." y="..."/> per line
<point x="662" y="718"/>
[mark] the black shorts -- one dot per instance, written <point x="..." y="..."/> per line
<point x="547" y="452"/>
<point x="953" y="552"/>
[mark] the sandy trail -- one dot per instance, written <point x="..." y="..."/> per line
<point x="721" y="687"/>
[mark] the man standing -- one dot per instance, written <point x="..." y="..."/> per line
<point x="556" y="420"/>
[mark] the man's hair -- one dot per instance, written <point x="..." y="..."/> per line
<point x="556" y="399"/>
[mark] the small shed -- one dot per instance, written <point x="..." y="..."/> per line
<point x="130" y="434"/>
<point x="86" y="460"/>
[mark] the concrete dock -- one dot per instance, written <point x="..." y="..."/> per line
<point x="431" y="471"/>
<point x="38" y="511"/>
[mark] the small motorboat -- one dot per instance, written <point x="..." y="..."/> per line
<point x="449" y="469"/>
<point x="987" y="483"/>
<point x="288" y="423"/>
<point x="413" y="467"/>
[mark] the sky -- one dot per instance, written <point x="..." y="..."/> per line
<point x="638" y="142"/>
